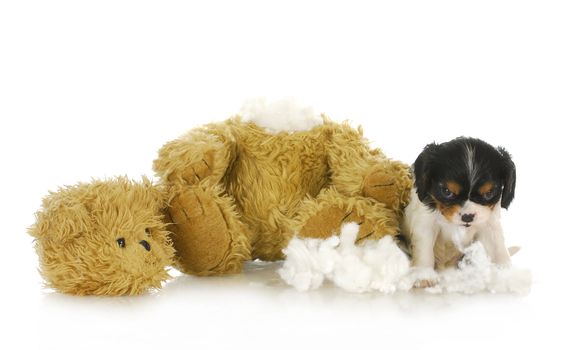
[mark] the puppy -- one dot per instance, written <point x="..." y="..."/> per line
<point x="459" y="187"/>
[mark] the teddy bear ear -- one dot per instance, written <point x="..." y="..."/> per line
<point x="158" y="193"/>
<point x="63" y="217"/>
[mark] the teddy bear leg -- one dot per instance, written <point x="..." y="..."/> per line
<point x="201" y="155"/>
<point x="323" y="217"/>
<point x="207" y="234"/>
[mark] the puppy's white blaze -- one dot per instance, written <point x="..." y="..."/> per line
<point x="471" y="165"/>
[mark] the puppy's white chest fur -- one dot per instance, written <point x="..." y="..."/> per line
<point x="437" y="242"/>
<point x="459" y="235"/>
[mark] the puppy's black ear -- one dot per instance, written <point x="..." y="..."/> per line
<point x="422" y="173"/>
<point x="508" y="174"/>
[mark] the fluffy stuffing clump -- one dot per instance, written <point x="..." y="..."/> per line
<point x="281" y="115"/>
<point x="476" y="273"/>
<point x="382" y="266"/>
<point x="375" y="265"/>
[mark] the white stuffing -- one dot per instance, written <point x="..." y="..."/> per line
<point x="375" y="265"/>
<point x="476" y="273"/>
<point x="280" y="115"/>
<point x="382" y="266"/>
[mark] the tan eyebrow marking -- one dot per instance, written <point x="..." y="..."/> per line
<point x="454" y="187"/>
<point x="486" y="187"/>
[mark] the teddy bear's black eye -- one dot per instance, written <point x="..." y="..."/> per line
<point x="148" y="231"/>
<point x="121" y="242"/>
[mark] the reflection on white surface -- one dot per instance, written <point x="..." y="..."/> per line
<point x="256" y="307"/>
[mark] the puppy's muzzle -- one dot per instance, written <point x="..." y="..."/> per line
<point x="467" y="218"/>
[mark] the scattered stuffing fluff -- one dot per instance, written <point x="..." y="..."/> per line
<point x="280" y="115"/>
<point x="376" y="265"/>
<point x="476" y="273"/>
<point x="382" y="266"/>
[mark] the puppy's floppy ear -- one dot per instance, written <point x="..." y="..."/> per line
<point x="508" y="175"/>
<point x="422" y="173"/>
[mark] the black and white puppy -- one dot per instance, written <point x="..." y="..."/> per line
<point x="459" y="188"/>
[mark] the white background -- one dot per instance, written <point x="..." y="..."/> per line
<point x="93" y="89"/>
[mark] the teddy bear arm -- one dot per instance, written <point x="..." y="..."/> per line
<point x="348" y="158"/>
<point x="201" y="154"/>
<point x="357" y="170"/>
<point x="382" y="179"/>
<point x="388" y="182"/>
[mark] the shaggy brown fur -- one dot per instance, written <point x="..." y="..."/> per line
<point x="232" y="192"/>
<point x="103" y="238"/>
<point x="238" y="192"/>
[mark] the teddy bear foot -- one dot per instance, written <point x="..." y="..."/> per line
<point x="331" y="210"/>
<point x="206" y="233"/>
<point x="328" y="221"/>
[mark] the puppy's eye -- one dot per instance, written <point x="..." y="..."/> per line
<point x="489" y="195"/>
<point x="446" y="193"/>
<point x="121" y="242"/>
<point x="148" y="231"/>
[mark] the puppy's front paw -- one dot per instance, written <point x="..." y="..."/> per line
<point x="422" y="277"/>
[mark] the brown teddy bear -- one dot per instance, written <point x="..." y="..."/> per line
<point x="103" y="238"/>
<point x="230" y="192"/>
<point x="240" y="191"/>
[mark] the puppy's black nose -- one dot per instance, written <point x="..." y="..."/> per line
<point x="146" y="245"/>
<point x="468" y="217"/>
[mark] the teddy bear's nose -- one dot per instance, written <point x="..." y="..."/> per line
<point x="146" y="245"/>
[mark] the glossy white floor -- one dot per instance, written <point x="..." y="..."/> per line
<point x="255" y="309"/>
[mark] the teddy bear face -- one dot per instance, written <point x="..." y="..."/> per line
<point x="103" y="238"/>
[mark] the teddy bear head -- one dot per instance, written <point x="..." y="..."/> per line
<point x="103" y="238"/>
